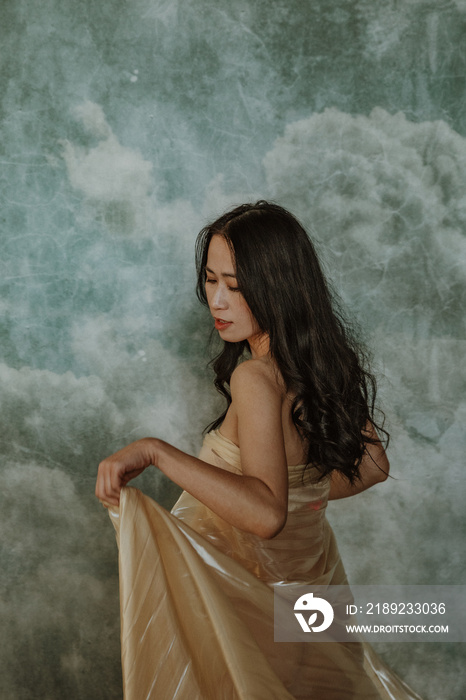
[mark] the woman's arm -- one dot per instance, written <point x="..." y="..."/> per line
<point x="254" y="501"/>
<point x="373" y="469"/>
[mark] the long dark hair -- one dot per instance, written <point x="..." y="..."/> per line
<point x="321" y="362"/>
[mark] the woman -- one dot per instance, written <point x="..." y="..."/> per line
<point x="196" y="585"/>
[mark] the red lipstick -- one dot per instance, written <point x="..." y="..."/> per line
<point x="221" y="325"/>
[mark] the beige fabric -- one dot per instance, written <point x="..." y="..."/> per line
<point x="196" y="599"/>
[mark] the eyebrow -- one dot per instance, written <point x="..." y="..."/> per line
<point x="224" y="274"/>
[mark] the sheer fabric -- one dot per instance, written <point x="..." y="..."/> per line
<point x="196" y="598"/>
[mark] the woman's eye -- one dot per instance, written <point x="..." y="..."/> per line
<point x="212" y="280"/>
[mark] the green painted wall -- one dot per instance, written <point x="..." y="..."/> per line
<point x="124" y="127"/>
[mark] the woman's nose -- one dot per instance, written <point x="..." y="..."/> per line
<point x="220" y="300"/>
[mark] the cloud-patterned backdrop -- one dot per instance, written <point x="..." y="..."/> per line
<point x="125" y="126"/>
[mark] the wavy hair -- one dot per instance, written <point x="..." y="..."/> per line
<point x="317" y="353"/>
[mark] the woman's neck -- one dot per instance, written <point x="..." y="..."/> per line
<point x="259" y="345"/>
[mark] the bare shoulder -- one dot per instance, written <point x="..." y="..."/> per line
<point x="256" y="375"/>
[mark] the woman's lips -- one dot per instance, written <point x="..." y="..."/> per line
<point x="220" y="324"/>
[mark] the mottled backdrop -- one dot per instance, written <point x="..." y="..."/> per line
<point x="125" y="125"/>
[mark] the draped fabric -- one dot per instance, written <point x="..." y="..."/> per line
<point x="197" y="601"/>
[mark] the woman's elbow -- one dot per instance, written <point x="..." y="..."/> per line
<point x="271" y="526"/>
<point x="383" y="469"/>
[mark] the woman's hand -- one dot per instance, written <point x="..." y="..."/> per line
<point x="115" y="471"/>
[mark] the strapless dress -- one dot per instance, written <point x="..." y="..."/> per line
<point x="197" y="601"/>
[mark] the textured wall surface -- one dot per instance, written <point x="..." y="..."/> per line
<point x="125" y="125"/>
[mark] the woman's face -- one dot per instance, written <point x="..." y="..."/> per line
<point x="233" y="318"/>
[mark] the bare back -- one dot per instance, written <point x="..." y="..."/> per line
<point x="294" y="446"/>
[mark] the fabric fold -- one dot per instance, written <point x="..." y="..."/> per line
<point x="197" y="602"/>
